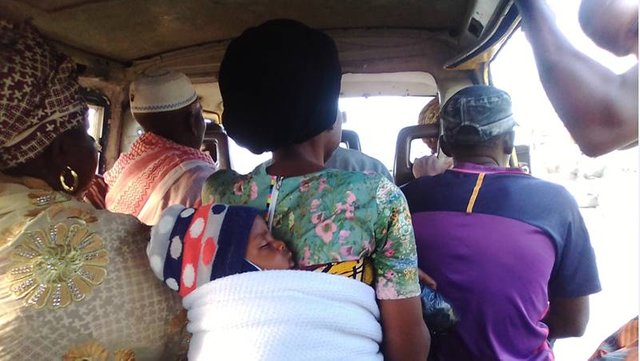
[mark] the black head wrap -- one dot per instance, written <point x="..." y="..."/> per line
<point x="280" y="84"/>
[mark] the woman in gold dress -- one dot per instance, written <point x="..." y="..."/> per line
<point x="74" y="281"/>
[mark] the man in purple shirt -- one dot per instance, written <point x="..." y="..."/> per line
<point x="509" y="251"/>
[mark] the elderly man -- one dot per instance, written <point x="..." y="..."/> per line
<point x="598" y="107"/>
<point x="165" y="165"/>
<point x="510" y="252"/>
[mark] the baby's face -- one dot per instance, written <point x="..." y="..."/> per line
<point x="265" y="251"/>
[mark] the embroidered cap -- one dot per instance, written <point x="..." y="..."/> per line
<point x="476" y="114"/>
<point x="161" y="90"/>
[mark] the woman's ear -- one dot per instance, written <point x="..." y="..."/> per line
<point x="55" y="159"/>
<point x="73" y="152"/>
<point x="58" y="154"/>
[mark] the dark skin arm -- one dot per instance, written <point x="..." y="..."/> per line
<point x="406" y="337"/>
<point x="567" y="317"/>
<point x="597" y="106"/>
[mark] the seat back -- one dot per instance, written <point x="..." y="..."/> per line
<point x="351" y="139"/>
<point x="402" y="165"/>
<point x="216" y="143"/>
<point x="521" y="158"/>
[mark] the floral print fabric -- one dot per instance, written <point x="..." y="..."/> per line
<point x="333" y="216"/>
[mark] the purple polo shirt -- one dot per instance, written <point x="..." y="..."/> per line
<point x="499" y="243"/>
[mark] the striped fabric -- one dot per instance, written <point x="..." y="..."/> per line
<point x="137" y="174"/>
<point x="97" y="192"/>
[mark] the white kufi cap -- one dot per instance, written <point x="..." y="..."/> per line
<point x="161" y="91"/>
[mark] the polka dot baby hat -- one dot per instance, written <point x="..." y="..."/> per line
<point x="190" y="247"/>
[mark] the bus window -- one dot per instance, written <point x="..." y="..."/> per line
<point x="375" y="118"/>
<point x="96" y="120"/>
<point x="372" y="118"/>
<point x="98" y="116"/>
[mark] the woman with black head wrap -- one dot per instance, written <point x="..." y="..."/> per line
<point x="280" y="84"/>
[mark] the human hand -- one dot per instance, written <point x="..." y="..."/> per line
<point x="426" y="280"/>
<point x="430" y="165"/>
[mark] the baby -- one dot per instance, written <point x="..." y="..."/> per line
<point x="190" y="247"/>
<point x="273" y="315"/>
<point x="263" y="250"/>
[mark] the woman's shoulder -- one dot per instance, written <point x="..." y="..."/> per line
<point x="225" y="177"/>
<point x="365" y="181"/>
<point x="231" y="176"/>
<point x="112" y="225"/>
<point x="228" y="186"/>
<point x="125" y="223"/>
<point x="356" y="177"/>
<point x="117" y="231"/>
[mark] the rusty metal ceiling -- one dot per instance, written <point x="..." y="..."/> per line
<point x="128" y="30"/>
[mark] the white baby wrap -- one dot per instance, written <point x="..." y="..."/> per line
<point x="284" y="315"/>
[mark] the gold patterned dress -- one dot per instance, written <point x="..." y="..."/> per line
<point x="75" y="283"/>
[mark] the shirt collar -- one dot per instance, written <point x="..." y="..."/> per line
<point x="466" y="167"/>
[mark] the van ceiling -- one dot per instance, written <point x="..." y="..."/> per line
<point x="383" y="43"/>
<point x="129" y="30"/>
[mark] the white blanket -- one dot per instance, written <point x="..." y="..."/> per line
<point x="284" y="315"/>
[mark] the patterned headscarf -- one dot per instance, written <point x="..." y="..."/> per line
<point x="430" y="113"/>
<point x="39" y="94"/>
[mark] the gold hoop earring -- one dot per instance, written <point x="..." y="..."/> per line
<point x="63" y="182"/>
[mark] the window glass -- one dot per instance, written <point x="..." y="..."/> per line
<point x="96" y="119"/>
<point x="96" y="126"/>
<point x="242" y="160"/>
<point x="377" y="120"/>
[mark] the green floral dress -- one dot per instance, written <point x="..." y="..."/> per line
<point x="332" y="216"/>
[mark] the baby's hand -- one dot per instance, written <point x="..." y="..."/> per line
<point x="425" y="279"/>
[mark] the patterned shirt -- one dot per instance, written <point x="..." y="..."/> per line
<point x="155" y="174"/>
<point x="331" y="216"/>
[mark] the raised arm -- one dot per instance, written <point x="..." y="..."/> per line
<point x="405" y="335"/>
<point x="597" y="106"/>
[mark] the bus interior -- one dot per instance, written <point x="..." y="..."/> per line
<point x="391" y="48"/>
<point x="417" y="49"/>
